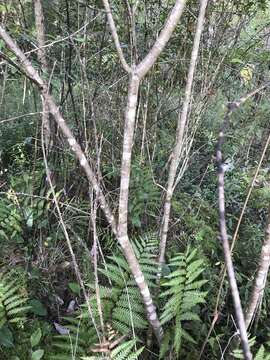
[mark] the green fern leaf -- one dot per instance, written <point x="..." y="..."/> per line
<point x="183" y="295"/>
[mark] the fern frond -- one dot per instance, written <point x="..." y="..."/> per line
<point x="75" y="344"/>
<point x="182" y="296"/>
<point x="123" y="351"/>
<point x="122" y="305"/>
<point x="13" y="306"/>
<point x="262" y="355"/>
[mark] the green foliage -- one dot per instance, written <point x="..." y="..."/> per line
<point x="13" y="306"/>
<point x="144" y="194"/>
<point x="35" y="337"/>
<point x="182" y="292"/>
<point x="262" y="353"/>
<point x="10" y="221"/>
<point x="121" y="304"/>
<point x="121" y="300"/>
<point x="124" y="351"/>
<point x="234" y="58"/>
<point x="75" y="343"/>
<point x="125" y="300"/>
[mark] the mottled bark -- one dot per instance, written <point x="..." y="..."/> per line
<point x="123" y="207"/>
<point x="226" y="245"/>
<point x="261" y="276"/>
<point x="137" y="72"/>
<point x="40" y="28"/>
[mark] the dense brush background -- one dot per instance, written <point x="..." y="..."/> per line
<point x="37" y="281"/>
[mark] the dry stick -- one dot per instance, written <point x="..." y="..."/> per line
<point x="182" y="120"/>
<point x="115" y="36"/>
<point x="39" y="19"/>
<point x="261" y="277"/>
<point x="145" y="65"/>
<point x="94" y="207"/>
<point x="260" y="280"/>
<point x="225" y="242"/>
<point x="223" y="270"/>
<point x="136" y="75"/>
<point x="95" y="255"/>
<point x="72" y="254"/>
<point x="223" y="230"/>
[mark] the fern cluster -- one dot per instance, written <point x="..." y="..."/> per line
<point x="123" y="309"/>
<point x="127" y="308"/>
<point x="124" y="351"/>
<point x="75" y="343"/>
<point x="182" y="294"/>
<point x="10" y="221"/>
<point x="122" y="306"/>
<point x="13" y="306"/>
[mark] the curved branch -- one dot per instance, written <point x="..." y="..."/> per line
<point x="145" y="65"/>
<point x="115" y="36"/>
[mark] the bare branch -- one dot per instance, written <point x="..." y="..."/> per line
<point x="261" y="277"/>
<point x="182" y="120"/>
<point x="39" y="18"/>
<point x="234" y="238"/>
<point x="223" y="229"/>
<point x="115" y="36"/>
<point x="130" y="114"/>
<point x="226" y="245"/>
<point x="145" y="65"/>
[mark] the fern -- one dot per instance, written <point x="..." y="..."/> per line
<point x="261" y="354"/>
<point x="122" y="306"/>
<point x="128" y="309"/>
<point x="182" y="294"/>
<point x="124" y="351"/>
<point x="144" y="194"/>
<point x="10" y="221"/>
<point x="12" y="302"/>
<point x="76" y="343"/>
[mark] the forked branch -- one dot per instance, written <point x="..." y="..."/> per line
<point x="136" y="75"/>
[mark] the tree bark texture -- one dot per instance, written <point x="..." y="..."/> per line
<point x="39" y="19"/>
<point x="261" y="276"/>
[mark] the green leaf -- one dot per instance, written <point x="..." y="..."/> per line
<point x="35" y="337"/>
<point x="30" y="218"/>
<point x="37" y="355"/>
<point x="37" y="307"/>
<point x="74" y="287"/>
<point x="6" y="337"/>
<point x="236" y="61"/>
